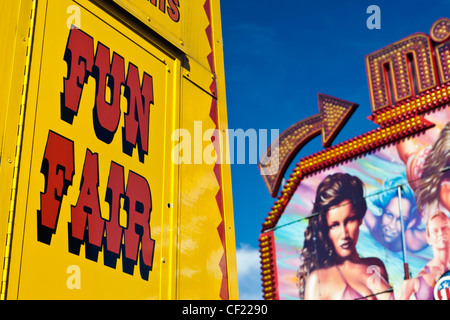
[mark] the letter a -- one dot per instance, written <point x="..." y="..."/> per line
<point x="374" y="21"/>
<point x="74" y="280"/>
<point x="87" y="208"/>
<point x="74" y="20"/>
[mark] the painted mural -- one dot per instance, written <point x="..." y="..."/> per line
<point x="376" y="227"/>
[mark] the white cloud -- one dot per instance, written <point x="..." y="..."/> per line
<point x="249" y="273"/>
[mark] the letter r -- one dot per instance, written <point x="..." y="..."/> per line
<point x="139" y="209"/>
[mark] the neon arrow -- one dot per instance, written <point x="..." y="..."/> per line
<point x="333" y="114"/>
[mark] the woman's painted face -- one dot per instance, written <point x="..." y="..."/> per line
<point x="391" y="220"/>
<point x="343" y="228"/>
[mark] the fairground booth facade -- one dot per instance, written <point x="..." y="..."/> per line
<point x="368" y="218"/>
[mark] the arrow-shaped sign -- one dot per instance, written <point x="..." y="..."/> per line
<point x="333" y="114"/>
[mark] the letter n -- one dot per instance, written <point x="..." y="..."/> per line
<point x="137" y="119"/>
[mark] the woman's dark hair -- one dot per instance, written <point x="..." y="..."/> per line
<point x="318" y="251"/>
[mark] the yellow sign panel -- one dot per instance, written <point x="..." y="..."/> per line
<point x="167" y="17"/>
<point x="182" y="22"/>
<point x="93" y="204"/>
<point x="97" y="162"/>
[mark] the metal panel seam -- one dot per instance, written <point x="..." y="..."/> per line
<point x="17" y="154"/>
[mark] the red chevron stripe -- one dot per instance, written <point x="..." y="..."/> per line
<point x="217" y="168"/>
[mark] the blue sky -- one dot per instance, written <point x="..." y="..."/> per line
<point x="278" y="56"/>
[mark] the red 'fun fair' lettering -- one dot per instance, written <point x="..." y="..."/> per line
<point x="108" y="75"/>
<point x="114" y="193"/>
<point x="88" y="203"/>
<point x="87" y="225"/>
<point x="58" y="169"/>
<point x="79" y="57"/>
<point x="139" y="208"/>
<point x="137" y="118"/>
<point x="81" y="65"/>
